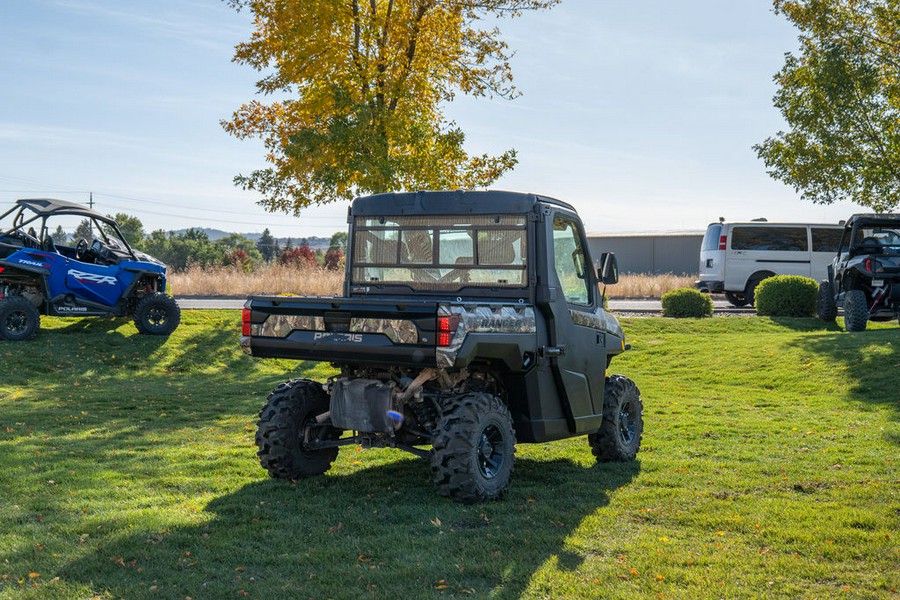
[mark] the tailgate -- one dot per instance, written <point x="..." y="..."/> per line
<point x="357" y="330"/>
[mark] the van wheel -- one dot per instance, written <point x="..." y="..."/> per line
<point x="736" y="299"/>
<point x="750" y="292"/>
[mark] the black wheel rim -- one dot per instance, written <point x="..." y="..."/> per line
<point x="157" y="316"/>
<point x="627" y="425"/>
<point x="16" y="322"/>
<point x="491" y="452"/>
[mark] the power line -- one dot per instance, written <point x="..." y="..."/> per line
<point x="177" y="216"/>
<point x="181" y="206"/>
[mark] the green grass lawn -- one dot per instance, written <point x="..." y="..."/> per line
<point x="769" y="468"/>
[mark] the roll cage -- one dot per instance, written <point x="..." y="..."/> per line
<point x="31" y="210"/>
<point x="871" y="233"/>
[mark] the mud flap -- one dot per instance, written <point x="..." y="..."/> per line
<point x="361" y="405"/>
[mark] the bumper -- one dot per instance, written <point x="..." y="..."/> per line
<point x="710" y="287"/>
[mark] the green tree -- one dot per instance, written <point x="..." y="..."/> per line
<point x="266" y="245"/>
<point x="60" y="237"/>
<point x="84" y="231"/>
<point x="178" y="251"/>
<point x="338" y="241"/>
<point x="840" y="96"/>
<point x="157" y="245"/>
<point x="235" y="241"/>
<point x="131" y="227"/>
<point x="367" y="81"/>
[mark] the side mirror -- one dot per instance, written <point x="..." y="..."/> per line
<point x="608" y="273"/>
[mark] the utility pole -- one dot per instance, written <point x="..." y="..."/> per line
<point x="91" y="201"/>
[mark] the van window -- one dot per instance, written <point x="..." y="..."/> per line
<point x="773" y="239"/>
<point x="826" y="240"/>
<point x="711" y="239"/>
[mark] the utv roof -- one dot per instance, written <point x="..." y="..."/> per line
<point x="46" y="207"/>
<point x="889" y="219"/>
<point x="450" y="202"/>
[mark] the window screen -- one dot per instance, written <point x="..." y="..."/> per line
<point x="441" y="252"/>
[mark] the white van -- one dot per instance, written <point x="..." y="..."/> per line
<point x="735" y="257"/>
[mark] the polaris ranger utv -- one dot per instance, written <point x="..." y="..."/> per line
<point x="469" y="321"/>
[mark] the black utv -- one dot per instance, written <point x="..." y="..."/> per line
<point x="864" y="278"/>
<point x="470" y="321"/>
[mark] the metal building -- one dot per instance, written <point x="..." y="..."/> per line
<point x="657" y="253"/>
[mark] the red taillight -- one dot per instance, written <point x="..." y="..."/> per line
<point x="723" y="241"/>
<point x="869" y="265"/>
<point x="245" y="321"/>
<point x="2" y="269"/>
<point x="446" y="327"/>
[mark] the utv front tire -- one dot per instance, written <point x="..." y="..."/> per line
<point x="157" y="314"/>
<point x="286" y="426"/>
<point x="825" y="305"/>
<point x="856" y="311"/>
<point x="619" y="437"/>
<point x="473" y="451"/>
<point x="19" y="319"/>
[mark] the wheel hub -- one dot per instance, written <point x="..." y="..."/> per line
<point x="157" y="316"/>
<point x="626" y="423"/>
<point x="490" y="452"/>
<point x="16" y="322"/>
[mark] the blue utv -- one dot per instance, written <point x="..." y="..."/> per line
<point x="103" y="277"/>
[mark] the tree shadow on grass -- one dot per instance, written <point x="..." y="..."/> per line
<point x="379" y="532"/>
<point x="870" y="360"/>
<point x="806" y="324"/>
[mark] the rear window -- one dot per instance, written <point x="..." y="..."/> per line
<point x="441" y="252"/>
<point x="711" y="239"/>
<point x="826" y="240"/>
<point x="771" y="239"/>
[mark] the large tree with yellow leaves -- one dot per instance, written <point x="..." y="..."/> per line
<point x="356" y="89"/>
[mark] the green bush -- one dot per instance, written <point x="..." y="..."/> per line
<point x="786" y="296"/>
<point x="686" y="302"/>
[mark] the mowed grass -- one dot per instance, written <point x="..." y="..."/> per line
<point x="769" y="468"/>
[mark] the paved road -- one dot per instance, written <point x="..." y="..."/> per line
<point x="622" y="306"/>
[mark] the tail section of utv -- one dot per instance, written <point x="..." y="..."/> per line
<point x="101" y="277"/>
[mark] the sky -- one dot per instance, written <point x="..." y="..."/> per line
<point x="640" y="113"/>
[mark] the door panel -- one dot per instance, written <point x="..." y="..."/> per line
<point x="578" y="361"/>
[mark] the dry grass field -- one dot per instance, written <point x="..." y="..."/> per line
<point x="281" y="279"/>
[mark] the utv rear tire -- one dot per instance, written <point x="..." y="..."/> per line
<point x="157" y="314"/>
<point x="283" y="431"/>
<point x="856" y="311"/>
<point x="473" y="451"/>
<point x="19" y="319"/>
<point x="619" y="437"/>
<point x="737" y="299"/>
<point x="825" y="305"/>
